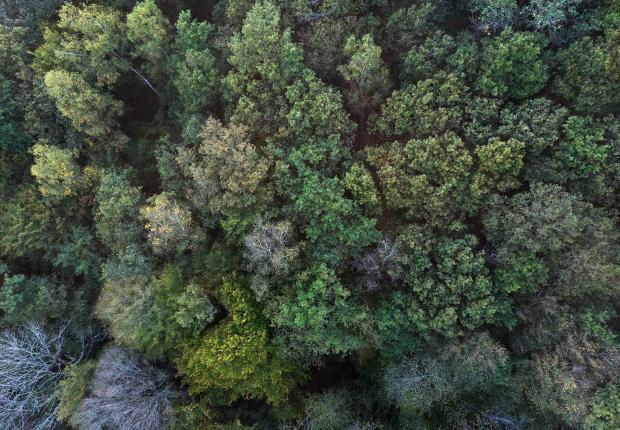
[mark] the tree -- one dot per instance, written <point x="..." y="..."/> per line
<point x="28" y="226"/>
<point x="440" y="377"/>
<point x="77" y="253"/>
<point x="234" y="358"/>
<point x="334" y="225"/>
<point x="552" y="16"/>
<point x="32" y="360"/>
<point x="117" y="210"/>
<point x="168" y="223"/>
<point x="271" y="250"/>
<point x="427" y="108"/>
<point x="512" y="65"/>
<point x="264" y="61"/>
<point x="439" y="51"/>
<point x="226" y="170"/>
<point x="537" y="122"/>
<point x="147" y="30"/>
<point x="365" y="74"/>
<point x="316" y="111"/>
<point x="89" y="111"/>
<point x="573" y="241"/>
<point x="196" y="76"/>
<point x="318" y="316"/>
<point x="500" y="164"/>
<point x="447" y="287"/>
<point x="380" y="265"/>
<point x="74" y="387"/>
<point x="427" y="179"/>
<point x="31" y="298"/>
<point x="12" y="132"/>
<point x="126" y="393"/>
<point x="56" y="172"/>
<point x="583" y="150"/>
<point x="604" y="408"/>
<point x="588" y="76"/>
<point x="87" y="43"/>
<point x="493" y="15"/>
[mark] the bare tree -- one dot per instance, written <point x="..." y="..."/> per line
<point x="268" y="247"/>
<point x="378" y="265"/>
<point x="125" y="394"/>
<point x="31" y="366"/>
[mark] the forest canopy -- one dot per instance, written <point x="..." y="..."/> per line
<point x="309" y="214"/>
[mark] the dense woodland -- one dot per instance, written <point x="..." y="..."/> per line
<point x="309" y="214"/>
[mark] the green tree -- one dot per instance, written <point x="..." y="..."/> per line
<point x="147" y="30"/>
<point x="426" y="179"/>
<point x="604" y="410"/>
<point x="365" y="74"/>
<point x="168" y="223"/>
<point x="588" y="74"/>
<point x="196" y="76"/>
<point x="512" y="65"/>
<point x="499" y="165"/>
<point x="316" y="111"/>
<point x="264" y="61"/>
<point x="227" y="172"/>
<point x="117" y="211"/>
<point x="317" y="316"/>
<point x="234" y="358"/>
<point x="55" y="171"/>
<point x="31" y="298"/>
<point x="334" y="225"/>
<point x="427" y="108"/>
<point x="440" y="377"/>
<point x="90" y="112"/>
<point x="493" y="15"/>
<point x="448" y="288"/>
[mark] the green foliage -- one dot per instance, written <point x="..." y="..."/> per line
<point x="316" y="110"/>
<point x="450" y="290"/>
<point x="427" y="108"/>
<point x="334" y="225"/>
<point x="317" y="315"/>
<point x="117" y="210"/>
<point x="365" y="74"/>
<point x="74" y="387"/>
<point x="147" y="30"/>
<point x="588" y="75"/>
<point x="512" y="65"/>
<point x="426" y="179"/>
<point x="77" y="253"/>
<point x="33" y="298"/>
<point x="12" y="136"/>
<point x="235" y="357"/>
<point x="89" y="111"/>
<point x="264" y="63"/>
<point x="500" y="163"/>
<point x="435" y="378"/>
<point x="604" y="410"/>
<point x="248" y="193"/>
<point x="227" y="171"/>
<point x="169" y="225"/>
<point x="494" y="15"/>
<point x="55" y="171"/>
<point x="196" y="75"/>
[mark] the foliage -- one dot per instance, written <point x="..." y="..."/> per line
<point x="512" y="65"/>
<point x="365" y="74"/>
<point x="235" y="355"/>
<point x="227" y="171"/>
<point x="324" y="214"/>
<point x="428" y="108"/>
